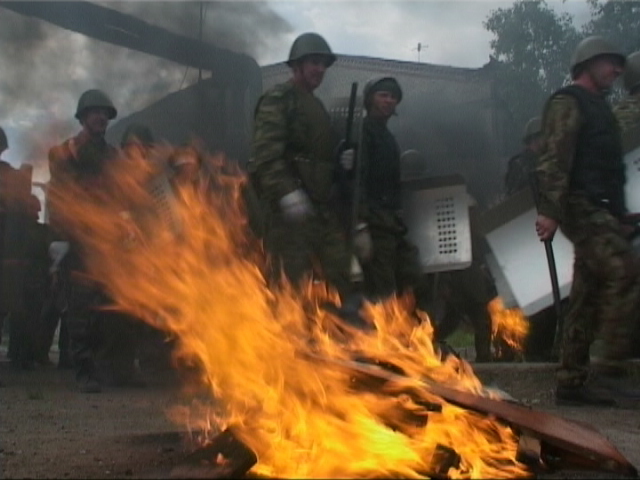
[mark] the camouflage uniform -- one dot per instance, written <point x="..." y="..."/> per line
<point x="581" y="187"/>
<point x="83" y="166"/>
<point x="294" y="147"/>
<point x="519" y="171"/>
<point x="627" y="112"/>
<point x="394" y="265"/>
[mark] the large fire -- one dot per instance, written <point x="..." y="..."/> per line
<point x="259" y="346"/>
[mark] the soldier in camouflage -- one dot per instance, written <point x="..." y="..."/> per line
<point x="389" y="261"/>
<point x="627" y="111"/>
<point x="580" y="177"/>
<point x="521" y="165"/>
<point x="80" y="160"/>
<point x="292" y="167"/>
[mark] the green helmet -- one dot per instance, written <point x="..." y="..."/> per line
<point x="631" y="75"/>
<point x="381" y="84"/>
<point x="590" y="48"/>
<point x="4" y="143"/>
<point x="137" y="132"/>
<point x="532" y="128"/>
<point x="310" y="44"/>
<point x="95" y="98"/>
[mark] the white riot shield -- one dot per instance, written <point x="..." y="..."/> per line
<point x="632" y="166"/>
<point x="436" y="212"/>
<point x="518" y="261"/>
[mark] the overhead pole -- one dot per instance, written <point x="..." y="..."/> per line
<point x="200" y="36"/>
<point x="419" y="49"/>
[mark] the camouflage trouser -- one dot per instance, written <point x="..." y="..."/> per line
<point x="101" y="342"/>
<point x="470" y="296"/>
<point x="604" y="292"/>
<point x="296" y="248"/>
<point x="394" y="266"/>
<point x="83" y="323"/>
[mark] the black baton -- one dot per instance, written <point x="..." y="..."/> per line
<point x="553" y="273"/>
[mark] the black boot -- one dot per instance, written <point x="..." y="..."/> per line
<point x="582" y="396"/>
<point x="87" y="379"/>
<point x="64" y="361"/>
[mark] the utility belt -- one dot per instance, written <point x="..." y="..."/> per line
<point x="314" y="176"/>
<point x="607" y="203"/>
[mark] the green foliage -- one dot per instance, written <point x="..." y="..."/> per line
<point x="533" y="45"/>
<point x="617" y="21"/>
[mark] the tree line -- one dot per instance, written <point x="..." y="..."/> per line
<point x="533" y="45"/>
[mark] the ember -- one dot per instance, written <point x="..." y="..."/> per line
<point x="279" y="365"/>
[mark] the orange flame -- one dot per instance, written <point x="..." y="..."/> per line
<point x="508" y="324"/>
<point x="303" y="417"/>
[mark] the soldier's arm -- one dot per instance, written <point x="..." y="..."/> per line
<point x="59" y="156"/>
<point x="561" y="125"/>
<point x="268" y="166"/>
<point x="627" y="113"/>
<point x="512" y="177"/>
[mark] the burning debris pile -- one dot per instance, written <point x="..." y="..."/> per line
<point x="297" y="391"/>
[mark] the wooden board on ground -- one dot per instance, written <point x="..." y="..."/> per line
<point x="573" y="445"/>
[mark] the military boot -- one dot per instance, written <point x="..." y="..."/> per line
<point x="582" y="396"/>
<point x="87" y="379"/>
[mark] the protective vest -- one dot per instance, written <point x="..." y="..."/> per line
<point x="598" y="168"/>
<point x="381" y="173"/>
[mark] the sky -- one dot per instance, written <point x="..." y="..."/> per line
<point x="45" y="68"/>
<point x="451" y="30"/>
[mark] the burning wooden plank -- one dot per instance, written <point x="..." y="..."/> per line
<point x="564" y="444"/>
<point x="224" y="457"/>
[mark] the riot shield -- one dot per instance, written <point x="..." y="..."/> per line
<point x="631" y="144"/>
<point x="436" y="212"/>
<point x="519" y="258"/>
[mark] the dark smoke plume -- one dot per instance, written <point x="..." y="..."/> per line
<point x="45" y="68"/>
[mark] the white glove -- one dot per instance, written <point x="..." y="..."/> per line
<point x="57" y="252"/>
<point x="295" y="205"/>
<point x="362" y="243"/>
<point x="347" y="159"/>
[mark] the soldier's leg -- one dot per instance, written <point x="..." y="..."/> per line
<point x="82" y="335"/>
<point x="380" y="271"/>
<point x="619" y="287"/>
<point x="408" y="270"/>
<point x="118" y="349"/>
<point x="47" y="325"/>
<point x="20" y="340"/>
<point x="288" y="249"/>
<point x="330" y="247"/>
<point x="471" y="291"/>
<point x="579" y="326"/>
<point x="64" y="357"/>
